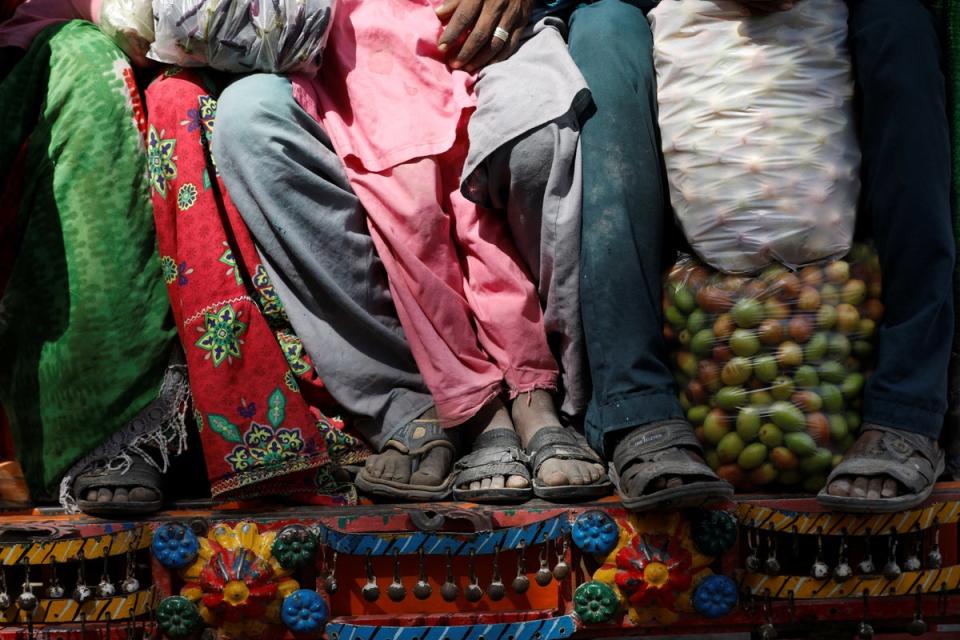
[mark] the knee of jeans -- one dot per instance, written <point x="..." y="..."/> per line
<point x="613" y="31"/>
<point x="243" y="107"/>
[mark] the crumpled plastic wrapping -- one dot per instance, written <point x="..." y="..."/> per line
<point x="771" y="368"/>
<point x="129" y="23"/>
<point x="242" y="36"/>
<point x="757" y="130"/>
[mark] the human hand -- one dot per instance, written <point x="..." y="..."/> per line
<point x="481" y="18"/>
<point x="766" y="7"/>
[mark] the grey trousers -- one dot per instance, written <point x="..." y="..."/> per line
<point x="290" y="188"/>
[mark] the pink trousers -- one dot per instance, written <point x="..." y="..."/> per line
<point x="467" y="305"/>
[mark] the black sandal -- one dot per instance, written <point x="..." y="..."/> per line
<point x="495" y="453"/>
<point x="656" y="450"/>
<point x="913" y="461"/>
<point x="414" y="439"/>
<point x="562" y="443"/>
<point x="140" y="474"/>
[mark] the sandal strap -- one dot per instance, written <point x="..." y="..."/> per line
<point x="561" y="443"/>
<point x="140" y="474"/>
<point x="419" y="436"/>
<point x="495" y="453"/>
<point x="909" y="458"/>
<point x="656" y="450"/>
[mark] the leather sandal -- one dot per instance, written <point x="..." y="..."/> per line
<point x="656" y="450"/>
<point x="495" y="453"/>
<point x="550" y="443"/>
<point x="140" y="474"/>
<point x="914" y="461"/>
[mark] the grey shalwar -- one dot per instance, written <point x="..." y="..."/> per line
<point x="290" y="188"/>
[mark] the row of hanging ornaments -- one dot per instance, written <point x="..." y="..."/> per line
<point x="842" y="570"/>
<point x="27" y="600"/>
<point x="449" y="590"/>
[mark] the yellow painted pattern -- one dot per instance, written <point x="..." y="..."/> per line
<point x="98" y="610"/>
<point x="806" y="588"/>
<point x="109" y="544"/>
<point x="769" y="519"/>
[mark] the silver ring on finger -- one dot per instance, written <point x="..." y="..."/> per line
<point x="501" y="34"/>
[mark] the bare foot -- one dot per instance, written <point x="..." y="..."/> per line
<point x="396" y="466"/>
<point x="535" y="410"/>
<point x="491" y="417"/>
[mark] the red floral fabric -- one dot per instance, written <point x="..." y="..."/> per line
<point x="263" y="412"/>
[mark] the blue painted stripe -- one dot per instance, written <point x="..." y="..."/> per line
<point x="550" y="629"/>
<point x="484" y="543"/>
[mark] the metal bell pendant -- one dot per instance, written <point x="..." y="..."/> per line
<point x="449" y="590"/>
<point x="767" y="631"/>
<point x="752" y="562"/>
<point x="473" y="592"/>
<point x="543" y="575"/>
<point x="934" y="557"/>
<point x="561" y="570"/>
<point x="55" y="590"/>
<point x="396" y="591"/>
<point x="130" y="585"/>
<point x="865" y="631"/>
<point x="912" y="561"/>
<point x="106" y="589"/>
<point x="370" y="591"/>
<point x="866" y="566"/>
<point x="81" y="594"/>
<point x="820" y="569"/>
<point x="422" y="590"/>
<point x="772" y="565"/>
<point x="843" y="571"/>
<point x="330" y="584"/>
<point x="27" y="601"/>
<point x="891" y="570"/>
<point x="5" y="599"/>
<point x="917" y="626"/>
<point x="496" y="590"/>
<point x="521" y="583"/>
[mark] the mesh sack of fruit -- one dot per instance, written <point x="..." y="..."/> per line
<point x="757" y="130"/>
<point x="771" y="368"/>
<point x="242" y="36"/>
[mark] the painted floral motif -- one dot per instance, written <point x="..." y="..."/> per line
<point x="222" y="333"/>
<point x="161" y="161"/>
<point x="293" y="351"/>
<point x="267" y="445"/>
<point x="168" y="267"/>
<point x="228" y="259"/>
<point x="186" y="196"/>
<point x="201" y="117"/>
<point x="198" y="417"/>
<point x="291" y="381"/>
<point x="653" y="570"/>
<point x="267" y="296"/>
<point x="183" y="272"/>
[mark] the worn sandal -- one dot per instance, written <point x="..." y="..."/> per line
<point x="562" y="443"/>
<point x="913" y="461"/>
<point x="414" y="439"/>
<point x="656" y="450"/>
<point x="495" y="453"/>
<point x="140" y="474"/>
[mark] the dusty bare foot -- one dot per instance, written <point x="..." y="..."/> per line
<point x="870" y="487"/>
<point x="396" y="466"/>
<point x="493" y="416"/>
<point x="535" y="410"/>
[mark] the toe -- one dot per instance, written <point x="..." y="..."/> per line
<point x="860" y="487"/>
<point x="517" y="482"/>
<point x="474" y="485"/>
<point x="839" y="487"/>
<point x="675" y="481"/>
<point x="374" y="466"/>
<point x="434" y="467"/>
<point x="143" y="494"/>
<point x="104" y="495"/>
<point x="92" y="495"/>
<point x="552" y="474"/>
<point x="485" y="483"/>
<point x="575" y="473"/>
<point x="496" y="482"/>
<point x="873" y="488"/>
<point x="889" y="489"/>
<point x="122" y="494"/>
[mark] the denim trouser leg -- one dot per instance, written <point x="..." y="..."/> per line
<point x="906" y="194"/>
<point x="625" y="218"/>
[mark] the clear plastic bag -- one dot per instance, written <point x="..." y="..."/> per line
<point x="129" y="23"/>
<point x="771" y="368"/>
<point x="242" y="36"/>
<point x="757" y="130"/>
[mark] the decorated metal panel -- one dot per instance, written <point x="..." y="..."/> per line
<point x="129" y="538"/>
<point x="550" y="629"/>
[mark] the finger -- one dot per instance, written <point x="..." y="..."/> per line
<point x="481" y="35"/>
<point x="508" y="48"/>
<point x="513" y="20"/>
<point x="447" y="8"/>
<point x="463" y="18"/>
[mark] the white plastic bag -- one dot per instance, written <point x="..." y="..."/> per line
<point x="757" y="130"/>
<point x="129" y="23"/>
<point x="242" y="36"/>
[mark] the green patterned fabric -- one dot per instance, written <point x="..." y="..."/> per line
<point x="84" y="335"/>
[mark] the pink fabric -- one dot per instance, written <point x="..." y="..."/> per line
<point x="33" y="16"/>
<point x="397" y="115"/>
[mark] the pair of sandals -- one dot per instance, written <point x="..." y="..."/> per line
<point x="495" y="453"/>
